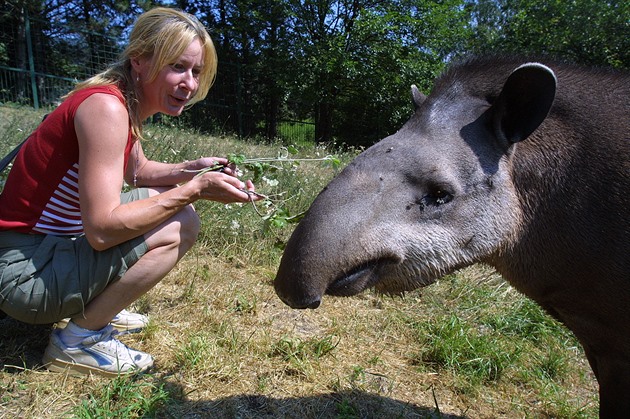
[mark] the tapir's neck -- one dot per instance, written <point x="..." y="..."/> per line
<point x="572" y="222"/>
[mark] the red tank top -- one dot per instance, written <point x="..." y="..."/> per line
<point x="41" y="194"/>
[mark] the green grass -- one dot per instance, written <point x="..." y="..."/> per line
<point x="489" y="336"/>
<point x="297" y="133"/>
<point x="16" y="123"/>
<point x="122" y="397"/>
<point x="226" y="347"/>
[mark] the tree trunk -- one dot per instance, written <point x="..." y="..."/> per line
<point x="323" y="122"/>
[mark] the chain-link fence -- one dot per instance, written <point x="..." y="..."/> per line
<point x="41" y="61"/>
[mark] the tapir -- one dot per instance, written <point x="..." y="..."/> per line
<point x="520" y="164"/>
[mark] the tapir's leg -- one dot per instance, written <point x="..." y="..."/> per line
<point x="614" y="388"/>
<point x="613" y="376"/>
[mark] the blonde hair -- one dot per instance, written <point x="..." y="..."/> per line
<point x="162" y="34"/>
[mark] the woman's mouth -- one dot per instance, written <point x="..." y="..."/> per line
<point x="180" y="101"/>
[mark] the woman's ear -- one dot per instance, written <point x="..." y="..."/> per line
<point x="137" y="64"/>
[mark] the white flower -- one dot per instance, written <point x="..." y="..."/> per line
<point x="270" y="182"/>
<point x="235" y="225"/>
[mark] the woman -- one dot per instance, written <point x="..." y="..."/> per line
<point x="72" y="245"/>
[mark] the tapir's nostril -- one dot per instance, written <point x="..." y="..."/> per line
<point x="315" y="304"/>
<point x="301" y="304"/>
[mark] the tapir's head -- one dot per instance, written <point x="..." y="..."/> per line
<point x="432" y="198"/>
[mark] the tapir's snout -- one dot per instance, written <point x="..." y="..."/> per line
<point x="304" y="304"/>
<point x="297" y="300"/>
<point x="301" y="282"/>
<point x="314" y="304"/>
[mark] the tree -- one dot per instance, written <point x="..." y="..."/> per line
<point x="358" y="59"/>
<point x="590" y="32"/>
<point x="66" y="38"/>
<point x="346" y="65"/>
<point x="250" y="39"/>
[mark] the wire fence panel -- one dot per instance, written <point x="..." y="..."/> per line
<point x="41" y="61"/>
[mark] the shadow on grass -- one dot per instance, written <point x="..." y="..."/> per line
<point x="22" y="346"/>
<point x="339" y="405"/>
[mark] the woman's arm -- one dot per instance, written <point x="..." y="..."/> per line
<point x="101" y="123"/>
<point x="144" y="172"/>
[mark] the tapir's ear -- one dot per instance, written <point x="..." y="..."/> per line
<point x="524" y="102"/>
<point x="417" y="96"/>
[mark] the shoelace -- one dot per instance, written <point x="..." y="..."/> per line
<point x="102" y="335"/>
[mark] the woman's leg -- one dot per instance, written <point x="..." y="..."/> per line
<point x="167" y="244"/>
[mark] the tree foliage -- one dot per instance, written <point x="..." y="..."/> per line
<point x="69" y="39"/>
<point x="345" y="65"/>
<point x="591" y="32"/>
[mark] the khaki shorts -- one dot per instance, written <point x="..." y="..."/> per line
<point x="45" y="278"/>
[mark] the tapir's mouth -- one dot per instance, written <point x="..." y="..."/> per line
<point x="359" y="278"/>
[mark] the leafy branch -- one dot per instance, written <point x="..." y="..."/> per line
<point x="275" y="215"/>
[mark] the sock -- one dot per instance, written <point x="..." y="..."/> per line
<point x="72" y="335"/>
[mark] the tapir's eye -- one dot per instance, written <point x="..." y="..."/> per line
<point x="435" y="198"/>
<point x="442" y="197"/>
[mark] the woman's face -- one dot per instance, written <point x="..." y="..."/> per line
<point x="174" y="85"/>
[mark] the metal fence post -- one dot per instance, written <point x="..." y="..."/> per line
<point x="31" y="61"/>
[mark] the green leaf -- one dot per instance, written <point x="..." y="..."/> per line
<point x="236" y="158"/>
<point x="334" y="162"/>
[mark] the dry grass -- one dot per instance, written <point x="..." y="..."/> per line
<point x="226" y="347"/>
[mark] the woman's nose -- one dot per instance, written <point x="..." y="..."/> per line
<point x="189" y="81"/>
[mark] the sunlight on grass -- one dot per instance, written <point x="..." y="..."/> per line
<point x="122" y="397"/>
<point x="225" y="346"/>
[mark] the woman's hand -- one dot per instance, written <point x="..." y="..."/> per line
<point x="222" y="164"/>
<point x="225" y="187"/>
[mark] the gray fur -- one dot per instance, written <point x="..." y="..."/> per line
<point x="520" y="165"/>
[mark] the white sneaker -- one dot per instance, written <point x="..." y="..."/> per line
<point x="100" y="353"/>
<point x="124" y="322"/>
<point x="128" y="322"/>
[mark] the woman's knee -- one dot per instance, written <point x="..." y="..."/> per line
<point x="190" y="226"/>
<point x="183" y="227"/>
<point x="180" y="231"/>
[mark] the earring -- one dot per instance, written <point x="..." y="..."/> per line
<point x="138" y="79"/>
